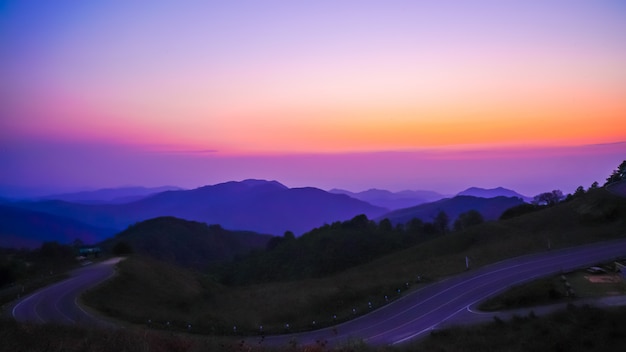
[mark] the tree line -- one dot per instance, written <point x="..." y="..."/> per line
<point x="548" y="199"/>
<point x="335" y="247"/>
<point x="19" y="265"/>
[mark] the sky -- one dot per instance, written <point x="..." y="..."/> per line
<point x="433" y="95"/>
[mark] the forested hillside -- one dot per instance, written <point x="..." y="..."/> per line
<point x="327" y="250"/>
<point x="187" y="243"/>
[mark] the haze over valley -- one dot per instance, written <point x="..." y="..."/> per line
<point x="265" y="207"/>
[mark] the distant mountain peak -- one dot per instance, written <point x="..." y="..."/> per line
<point x="392" y="200"/>
<point x="490" y="207"/>
<point x="491" y="193"/>
<point x="244" y="185"/>
<point x="252" y="182"/>
<point x="111" y="195"/>
<point x="254" y="205"/>
<point x="376" y="191"/>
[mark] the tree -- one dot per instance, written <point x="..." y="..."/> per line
<point x="579" y="191"/>
<point x="54" y="250"/>
<point x="216" y="227"/>
<point x="288" y="236"/>
<point x="557" y="196"/>
<point x="274" y="242"/>
<point x="77" y="243"/>
<point x="429" y="228"/>
<point x="8" y="274"/>
<point x="594" y="185"/>
<point x="415" y="226"/>
<point x="122" y="248"/>
<point x="618" y="175"/>
<point x="441" y="222"/>
<point x="518" y="210"/>
<point x="467" y="219"/>
<point x="359" y="222"/>
<point x="385" y="226"/>
<point x="548" y="198"/>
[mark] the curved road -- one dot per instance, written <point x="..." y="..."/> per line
<point x="444" y="302"/>
<point x="450" y="301"/>
<point x="58" y="303"/>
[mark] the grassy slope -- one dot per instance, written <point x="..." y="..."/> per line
<point x="576" y="329"/>
<point x="552" y="289"/>
<point x="146" y="289"/>
<point x="213" y="308"/>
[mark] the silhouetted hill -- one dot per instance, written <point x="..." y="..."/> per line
<point x="254" y="205"/>
<point x="187" y="243"/>
<point x="110" y="195"/>
<point x="392" y="200"/>
<point x="492" y="193"/>
<point x="21" y="228"/>
<point x="490" y="208"/>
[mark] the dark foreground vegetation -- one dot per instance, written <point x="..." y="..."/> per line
<point x="22" y="270"/>
<point x="212" y="305"/>
<point x="575" y="329"/>
<point x="324" y="251"/>
<point x="566" y="287"/>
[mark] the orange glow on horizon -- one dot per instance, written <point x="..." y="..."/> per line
<point x="349" y="130"/>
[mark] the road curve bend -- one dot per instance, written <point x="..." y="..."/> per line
<point x="403" y="320"/>
<point x="446" y="301"/>
<point x="59" y="303"/>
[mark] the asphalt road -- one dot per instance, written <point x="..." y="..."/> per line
<point x="59" y="303"/>
<point x="449" y="302"/>
<point x="412" y="316"/>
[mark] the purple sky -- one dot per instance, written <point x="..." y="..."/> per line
<point x="68" y="166"/>
<point x="436" y="95"/>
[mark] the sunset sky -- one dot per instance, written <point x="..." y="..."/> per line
<point x="439" y="95"/>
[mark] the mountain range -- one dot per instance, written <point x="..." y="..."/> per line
<point x="392" y="200"/>
<point x="255" y="205"/>
<point x="23" y="228"/>
<point x="490" y="208"/>
<point x="492" y="193"/>
<point x="261" y="206"/>
<point x="110" y="195"/>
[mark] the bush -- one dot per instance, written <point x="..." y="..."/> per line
<point x="122" y="248"/>
<point x="519" y="210"/>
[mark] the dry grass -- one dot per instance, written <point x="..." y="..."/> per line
<point x="587" y="285"/>
<point x="553" y="290"/>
